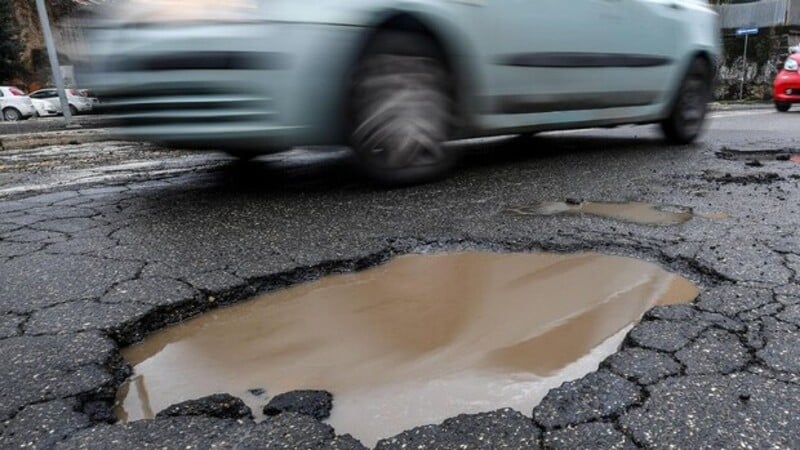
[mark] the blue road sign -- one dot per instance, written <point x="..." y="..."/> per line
<point x="746" y="31"/>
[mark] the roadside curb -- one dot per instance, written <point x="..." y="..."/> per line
<point x="65" y="137"/>
<point x="735" y="106"/>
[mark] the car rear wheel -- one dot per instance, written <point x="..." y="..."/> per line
<point x="686" y="120"/>
<point x="402" y="110"/>
<point x="73" y="110"/>
<point x="12" y="114"/>
<point x="782" y="106"/>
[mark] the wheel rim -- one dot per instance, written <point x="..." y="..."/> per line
<point x="402" y="111"/>
<point x="693" y="104"/>
<point x="11" y="115"/>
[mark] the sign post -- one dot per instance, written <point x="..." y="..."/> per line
<point x="746" y="32"/>
<point x="54" y="66"/>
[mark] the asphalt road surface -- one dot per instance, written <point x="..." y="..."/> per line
<point x="103" y="242"/>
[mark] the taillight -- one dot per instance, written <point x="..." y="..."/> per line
<point x="16" y="92"/>
<point x="73" y="92"/>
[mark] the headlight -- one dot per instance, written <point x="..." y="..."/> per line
<point x="791" y="65"/>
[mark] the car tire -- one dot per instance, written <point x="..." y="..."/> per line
<point x="12" y="114"/>
<point x="401" y="110"/>
<point x="690" y="105"/>
<point x="73" y="110"/>
<point x="782" y="106"/>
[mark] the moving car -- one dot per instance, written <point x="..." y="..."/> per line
<point x="78" y="100"/>
<point x="14" y="104"/>
<point x="395" y="79"/>
<point x="786" y="87"/>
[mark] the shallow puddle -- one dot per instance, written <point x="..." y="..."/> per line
<point x="636" y="212"/>
<point x="411" y="342"/>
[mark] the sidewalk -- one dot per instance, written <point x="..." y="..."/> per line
<point x="738" y="105"/>
<point x="63" y="137"/>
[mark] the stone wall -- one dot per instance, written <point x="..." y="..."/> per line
<point x="766" y="53"/>
<point x="32" y="60"/>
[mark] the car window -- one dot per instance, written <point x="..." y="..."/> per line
<point x="36" y="95"/>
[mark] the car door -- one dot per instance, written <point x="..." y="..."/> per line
<point x="51" y="96"/>
<point x="645" y="37"/>
<point x="535" y="51"/>
<point x="550" y="56"/>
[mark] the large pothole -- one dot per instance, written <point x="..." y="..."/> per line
<point x="411" y="342"/>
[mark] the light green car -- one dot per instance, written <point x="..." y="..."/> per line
<point x="394" y="79"/>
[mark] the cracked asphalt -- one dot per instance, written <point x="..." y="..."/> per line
<point x="104" y="242"/>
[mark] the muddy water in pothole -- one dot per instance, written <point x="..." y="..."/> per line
<point x="411" y="342"/>
<point x="636" y="212"/>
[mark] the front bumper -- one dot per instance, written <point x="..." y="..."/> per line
<point x="25" y="109"/>
<point x="260" y="86"/>
<point x="786" y="88"/>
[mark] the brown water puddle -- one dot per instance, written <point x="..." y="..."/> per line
<point x="636" y="212"/>
<point x="411" y="342"/>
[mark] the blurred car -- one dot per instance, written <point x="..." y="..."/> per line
<point x="396" y="79"/>
<point x="78" y="100"/>
<point x="45" y="108"/>
<point x="786" y="87"/>
<point x="14" y="104"/>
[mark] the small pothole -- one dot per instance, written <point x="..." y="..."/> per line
<point x="634" y="212"/>
<point x="410" y="342"/>
<point x="778" y="154"/>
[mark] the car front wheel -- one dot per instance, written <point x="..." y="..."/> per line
<point x="782" y="106"/>
<point x="402" y="110"/>
<point x="688" y="114"/>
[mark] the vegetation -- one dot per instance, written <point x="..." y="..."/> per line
<point x="10" y="47"/>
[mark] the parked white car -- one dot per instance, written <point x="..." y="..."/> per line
<point x="15" y="105"/>
<point x="78" y="99"/>
<point x="45" y="108"/>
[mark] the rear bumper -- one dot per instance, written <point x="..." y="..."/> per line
<point x="82" y="106"/>
<point x="24" y="110"/>
<point x="786" y="88"/>
<point x="262" y="86"/>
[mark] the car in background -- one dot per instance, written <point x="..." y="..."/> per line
<point x="786" y="87"/>
<point x="396" y="79"/>
<point x="15" y="105"/>
<point x="93" y="98"/>
<point x="78" y="99"/>
<point x="45" y="108"/>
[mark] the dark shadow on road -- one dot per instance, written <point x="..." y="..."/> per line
<point x="326" y="169"/>
<point x="333" y="172"/>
